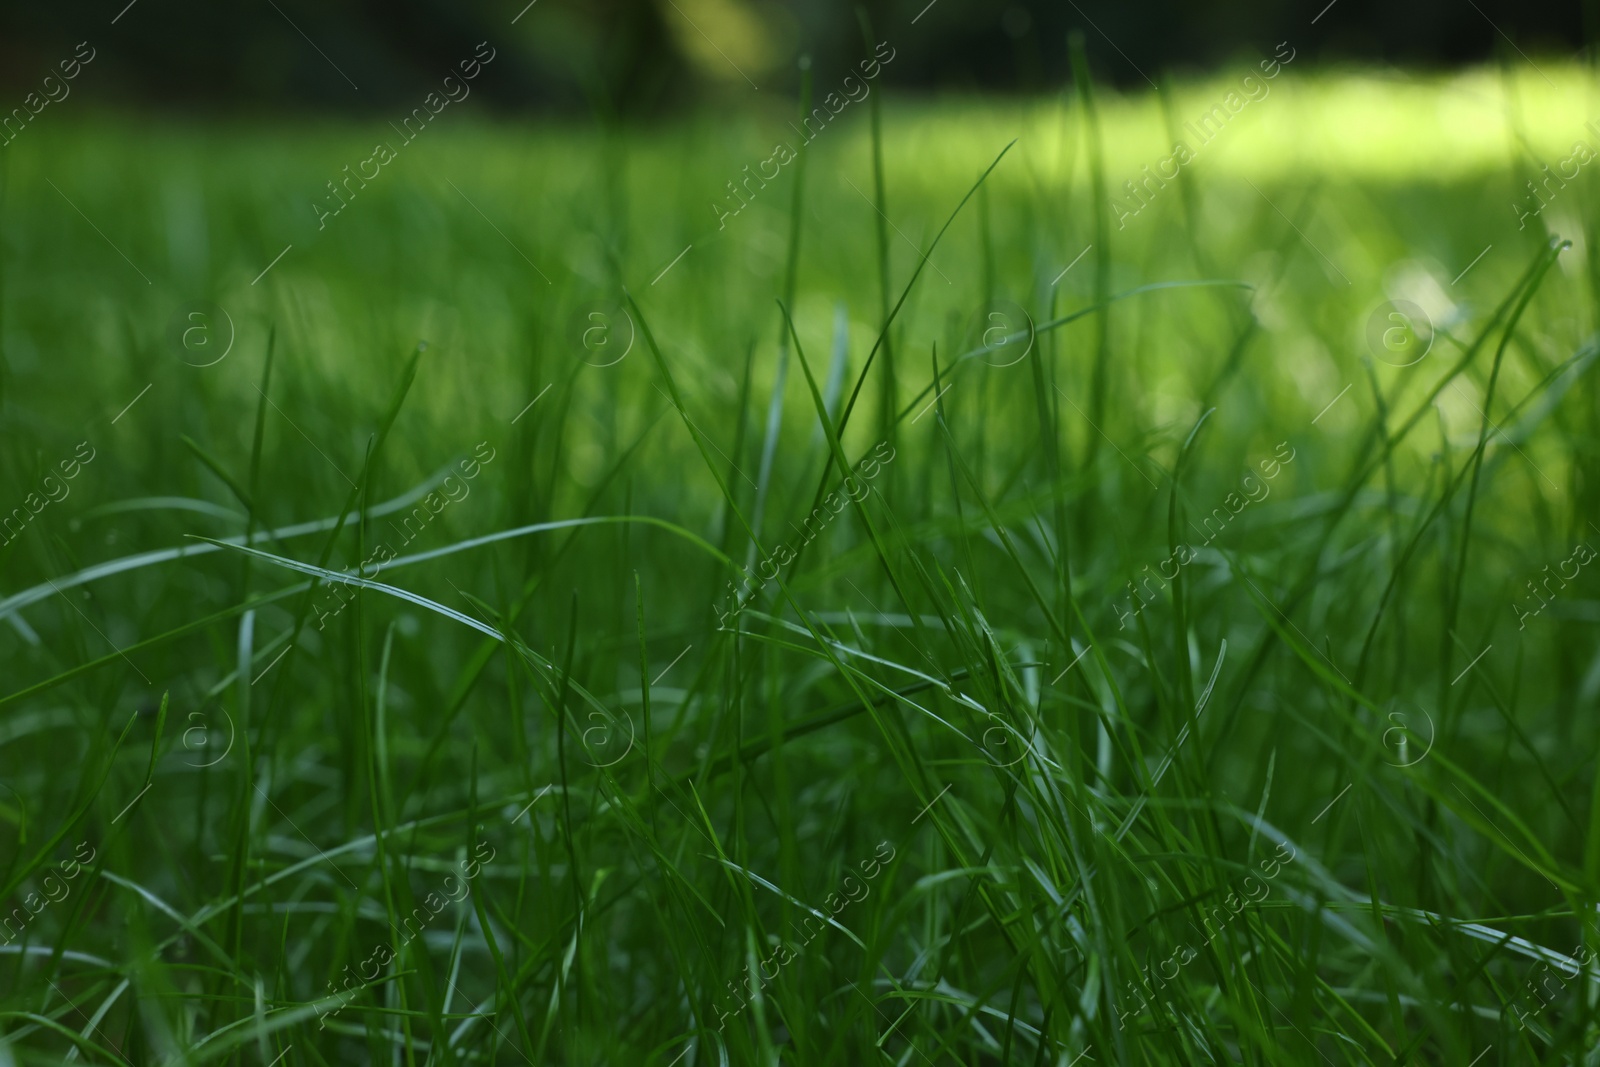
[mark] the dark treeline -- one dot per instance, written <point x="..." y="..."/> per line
<point x="631" y="57"/>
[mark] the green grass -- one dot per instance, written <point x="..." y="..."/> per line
<point x="509" y="794"/>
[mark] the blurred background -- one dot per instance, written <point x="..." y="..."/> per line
<point x="645" y="57"/>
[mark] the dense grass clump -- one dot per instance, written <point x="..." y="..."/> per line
<point x="937" y="614"/>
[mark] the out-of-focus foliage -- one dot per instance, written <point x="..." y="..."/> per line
<point x="641" y="56"/>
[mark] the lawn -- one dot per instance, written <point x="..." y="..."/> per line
<point x="978" y="586"/>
